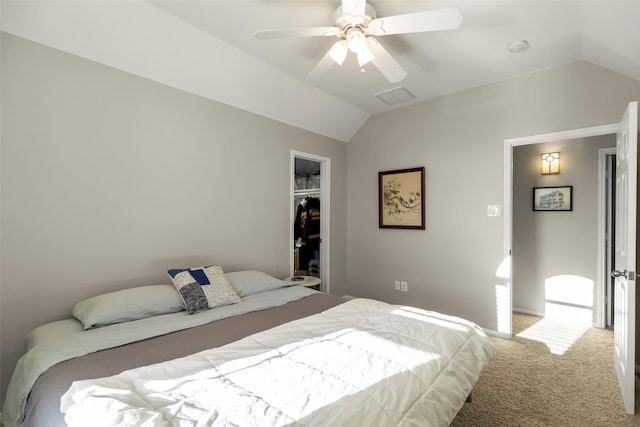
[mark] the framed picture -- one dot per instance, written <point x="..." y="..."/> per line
<point x="401" y="199"/>
<point x="553" y="198"/>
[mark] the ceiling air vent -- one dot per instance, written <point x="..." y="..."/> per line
<point x="395" y="96"/>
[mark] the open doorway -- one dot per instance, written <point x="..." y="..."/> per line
<point x="511" y="234"/>
<point x="626" y="132"/>
<point x="555" y="250"/>
<point x="306" y="227"/>
<point x="310" y="220"/>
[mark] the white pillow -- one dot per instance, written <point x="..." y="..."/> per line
<point x="128" y="304"/>
<point x="252" y="282"/>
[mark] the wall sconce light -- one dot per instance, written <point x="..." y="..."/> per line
<point x="550" y="163"/>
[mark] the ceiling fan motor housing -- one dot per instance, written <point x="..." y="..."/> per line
<point x="344" y="23"/>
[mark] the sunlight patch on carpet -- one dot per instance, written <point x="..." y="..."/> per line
<point x="557" y="335"/>
<point x="568" y="313"/>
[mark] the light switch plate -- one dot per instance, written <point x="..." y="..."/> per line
<point x="493" y="210"/>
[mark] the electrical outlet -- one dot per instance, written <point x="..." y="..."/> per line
<point x="397" y="285"/>
<point x="403" y="286"/>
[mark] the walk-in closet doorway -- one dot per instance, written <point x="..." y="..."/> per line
<point x="309" y="240"/>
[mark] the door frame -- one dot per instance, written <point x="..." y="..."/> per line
<point x="325" y="214"/>
<point x="508" y="191"/>
<point x="603" y="229"/>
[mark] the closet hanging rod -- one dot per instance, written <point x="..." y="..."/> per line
<point x="307" y="192"/>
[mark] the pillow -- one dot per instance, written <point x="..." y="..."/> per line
<point x="203" y="288"/>
<point x="128" y="304"/>
<point x="252" y="282"/>
<point x="53" y="332"/>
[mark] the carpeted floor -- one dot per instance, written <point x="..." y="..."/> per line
<point x="542" y="377"/>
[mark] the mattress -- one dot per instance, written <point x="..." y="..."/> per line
<point x="63" y="358"/>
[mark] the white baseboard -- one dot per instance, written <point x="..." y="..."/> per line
<point x="529" y="312"/>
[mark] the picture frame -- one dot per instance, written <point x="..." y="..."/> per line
<point x="553" y="198"/>
<point x="401" y="199"/>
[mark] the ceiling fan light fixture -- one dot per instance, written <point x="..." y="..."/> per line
<point x="339" y="52"/>
<point x="356" y="40"/>
<point x="365" y="56"/>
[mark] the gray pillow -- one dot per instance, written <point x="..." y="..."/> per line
<point x="252" y="282"/>
<point x="53" y="332"/>
<point x="128" y="304"/>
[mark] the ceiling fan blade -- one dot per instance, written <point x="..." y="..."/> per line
<point x="353" y="11"/>
<point x="335" y="55"/>
<point x="385" y="62"/>
<point x="430" y="20"/>
<point x="297" y="32"/>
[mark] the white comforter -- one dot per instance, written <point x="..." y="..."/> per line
<point x="363" y="362"/>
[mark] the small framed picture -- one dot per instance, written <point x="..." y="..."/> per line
<point x="401" y="199"/>
<point x="553" y="198"/>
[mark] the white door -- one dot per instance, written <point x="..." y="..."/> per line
<point x="625" y="258"/>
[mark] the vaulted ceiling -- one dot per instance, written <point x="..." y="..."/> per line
<point x="208" y="47"/>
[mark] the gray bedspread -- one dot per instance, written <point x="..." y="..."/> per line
<point x="43" y="406"/>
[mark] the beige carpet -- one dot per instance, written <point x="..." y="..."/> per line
<point x="551" y="383"/>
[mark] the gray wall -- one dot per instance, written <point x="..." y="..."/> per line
<point x="459" y="138"/>
<point x="108" y="180"/>
<point x="548" y="244"/>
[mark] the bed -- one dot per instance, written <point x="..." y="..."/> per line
<point x="277" y="355"/>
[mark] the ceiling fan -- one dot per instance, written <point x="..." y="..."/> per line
<point x="355" y="24"/>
